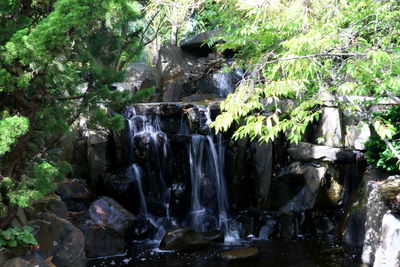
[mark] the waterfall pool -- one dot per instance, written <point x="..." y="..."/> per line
<point x="303" y="252"/>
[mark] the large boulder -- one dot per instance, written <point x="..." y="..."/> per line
<point x="176" y="67"/>
<point x="60" y="240"/>
<point x="186" y="239"/>
<point x="108" y="213"/>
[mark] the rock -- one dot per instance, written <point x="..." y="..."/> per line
<point x="61" y="240"/>
<point x="143" y="228"/>
<point x="75" y="194"/>
<point x="263" y="172"/>
<point x="198" y="40"/>
<point x="390" y="193"/>
<point x="5" y="254"/>
<point x="296" y="187"/>
<point x="81" y="164"/>
<point x="47" y="205"/>
<point x="331" y="191"/>
<point x="19" y="219"/>
<point x="35" y="259"/>
<point x="388" y="252"/>
<point x="268" y="229"/>
<point x="161" y="109"/>
<point x="100" y="242"/>
<point x="177" y="67"/>
<point x="97" y="154"/>
<point x="220" y="84"/>
<point x="201" y="98"/>
<point x="357" y="135"/>
<point x="108" y="213"/>
<point x="330" y="131"/>
<point x="16" y="262"/>
<point x="139" y="76"/>
<point x="186" y="238"/>
<point x="376" y="209"/>
<point x="239" y="253"/>
<point x="309" y="152"/>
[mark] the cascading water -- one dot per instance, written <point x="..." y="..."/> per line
<point x="208" y="183"/>
<point x="147" y="129"/>
<point x="148" y="151"/>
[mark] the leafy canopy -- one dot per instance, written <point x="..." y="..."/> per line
<point x="299" y="53"/>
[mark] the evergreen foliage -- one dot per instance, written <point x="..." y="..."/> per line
<point x="58" y="60"/>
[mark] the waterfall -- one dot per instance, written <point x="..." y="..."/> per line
<point x="197" y="212"/>
<point x="147" y="130"/>
<point x="148" y="153"/>
<point x="209" y="199"/>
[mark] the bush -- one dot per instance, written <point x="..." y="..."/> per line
<point x="377" y="152"/>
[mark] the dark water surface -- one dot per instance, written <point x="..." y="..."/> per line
<point x="307" y="253"/>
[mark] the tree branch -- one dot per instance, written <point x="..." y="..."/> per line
<point x="362" y="110"/>
<point x="393" y="97"/>
<point x="322" y="55"/>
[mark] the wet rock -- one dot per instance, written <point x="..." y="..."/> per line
<point x="239" y="253"/>
<point x="331" y="191"/>
<point x="194" y="119"/>
<point x="100" y="241"/>
<point x="108" y="213"/>
<point x="309" y="152"/>
<point x="143" y="228"/>
<point x="75" y="194"/>
<point x="330" y="131"/>
<point x="46" y="205"/>
<point x="220" y="84"/>
<point x="267" y="230"/>
<point x="161" y="109"/>
<point x="186" y="238"/>
<point x="61" y="240"/>
<point x="287" y="229"/>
